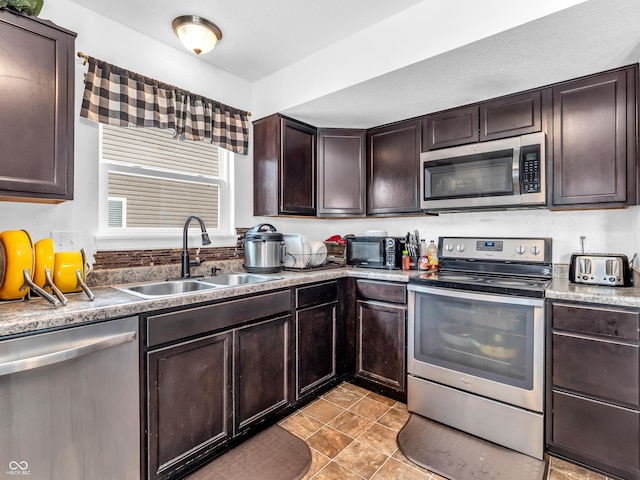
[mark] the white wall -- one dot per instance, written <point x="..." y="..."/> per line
<point x="109" y="41"/>
<point x="408" y="37"/>
<point x="610" y="230"/>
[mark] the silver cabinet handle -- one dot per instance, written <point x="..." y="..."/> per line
<point x="66" y="354"/>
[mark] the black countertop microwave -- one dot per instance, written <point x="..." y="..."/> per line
<point x="493" y="175"/>
<point x="375" y="252"/>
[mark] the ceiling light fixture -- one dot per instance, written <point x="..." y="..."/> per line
<point x="198" y="34"/>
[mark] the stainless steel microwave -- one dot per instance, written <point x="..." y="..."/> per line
<point x="494" y="175"/>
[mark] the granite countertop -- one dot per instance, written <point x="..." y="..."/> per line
<point x="19" y="317"/>
<point x="563" y="289"/>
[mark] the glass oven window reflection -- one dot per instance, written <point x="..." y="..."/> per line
<point x="469" y="179"/>
<point x="485" y="339"/>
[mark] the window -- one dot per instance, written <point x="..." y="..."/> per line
<point x="150" y="183"/>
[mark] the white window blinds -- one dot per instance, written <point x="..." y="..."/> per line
<point x="154" y="181"/>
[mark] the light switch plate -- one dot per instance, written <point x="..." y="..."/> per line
<point x="66" y="241"/>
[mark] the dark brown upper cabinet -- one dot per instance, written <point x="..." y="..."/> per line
<point x="500" y="118"/>
<point x="450" y="128"/>
<point x="36" y="110"/>
<point x="510" y="116"/>
<point x="594" y="141"/>
<point x="342" y="172"/>
<point x="393" y="165"/>
<point x="284" y="167"/>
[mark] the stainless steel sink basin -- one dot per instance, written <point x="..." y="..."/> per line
<point x="166" y="289"/>
<point x="193" y="285"/>
<point x="235" y="279"/>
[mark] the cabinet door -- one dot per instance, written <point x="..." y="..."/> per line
<point x="261" y="370"/>
<point x="511" y="116"/>
<point x="266" y="162"/>
<point x="393" y="166"/>
<point x="380" y="343"/>
<point x="189" y="407"/>
<point x="450" y="128"/>
<point x="36" y="100"/>
<point x="297" y="168"/>
<point x="593" y="141"/>
<point x="599" y="434"/>
<point x="598" y="368"/>
<point x="315" y="347"/>
<point x="341" y="172"/>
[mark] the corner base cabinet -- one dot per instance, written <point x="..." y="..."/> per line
<point x="380" y="344"/>
<point x="316" y="337"/>
<point x="36" y="101"/>
<point x="593" y="386"/>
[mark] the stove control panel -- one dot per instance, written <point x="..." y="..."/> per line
<point x="530" y="250"/>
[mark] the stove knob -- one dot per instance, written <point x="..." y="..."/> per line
<point x="535" y="250"/>
<point x="448" y="247"/>
<point x="520" y="250"/>
<point x="460" y="247"/>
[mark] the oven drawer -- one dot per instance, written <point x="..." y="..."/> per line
<point x="620" y="324"/>
<point x="601" y="368"/>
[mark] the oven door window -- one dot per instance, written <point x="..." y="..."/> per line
<point x="490" y="340"/>
<point x="477" y="176"/>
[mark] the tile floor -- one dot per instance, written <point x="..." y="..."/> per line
<point x="352" y="436"/>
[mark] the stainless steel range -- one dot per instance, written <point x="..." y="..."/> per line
<point x="476" y="339"/>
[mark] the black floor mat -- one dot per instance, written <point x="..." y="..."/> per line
<point x="459" y="456"/>
<point x="274" y="454"/>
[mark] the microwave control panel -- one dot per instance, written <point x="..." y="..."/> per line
<point x="530" y="167"/>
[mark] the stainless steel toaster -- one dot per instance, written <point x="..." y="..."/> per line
<point x="610" y="269"/>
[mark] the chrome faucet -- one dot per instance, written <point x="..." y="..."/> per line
<point x="186" y="263"/>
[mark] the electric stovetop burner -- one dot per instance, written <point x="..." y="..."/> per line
<point x="506" y="266"/>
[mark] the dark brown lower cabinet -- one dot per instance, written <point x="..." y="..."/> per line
<point x="190" y="407"/>
<point x="593" y="386"/>
<point x="212" y="372"/>
<point x="316" y="336"/>
<point x="381" y="334"/>
<point x="261" y="370"/>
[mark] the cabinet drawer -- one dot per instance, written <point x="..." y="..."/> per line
<point x="603" y="369"/>
<point x="598" y="321"/>
<point x="196" y="321"/>
<point x="382" y="291"/>
<point x="597" y="430"/>
<point x="317" y="294"/>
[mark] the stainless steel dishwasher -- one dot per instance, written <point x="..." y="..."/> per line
<point x="69" y="403"/>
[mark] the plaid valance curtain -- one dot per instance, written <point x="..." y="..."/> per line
<point x="120" y="97"/>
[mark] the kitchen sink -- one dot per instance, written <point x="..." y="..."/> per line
<point x="193" y="285"/>
<point x="166" y="289"/>
<point x="235" y="279"/>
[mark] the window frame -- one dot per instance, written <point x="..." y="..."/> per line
<point x="110" y="238"/>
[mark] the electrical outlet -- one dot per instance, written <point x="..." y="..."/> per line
<point x="67" y="241"/>
<point x="584" y="242"/>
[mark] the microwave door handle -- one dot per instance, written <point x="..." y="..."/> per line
<point x="515" y="171"/>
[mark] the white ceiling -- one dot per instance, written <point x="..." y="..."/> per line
<point x="591" y="37"/>
<point x="261" y="37"/>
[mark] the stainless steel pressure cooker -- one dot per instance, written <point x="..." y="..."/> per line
<point x="263" y="249"/>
